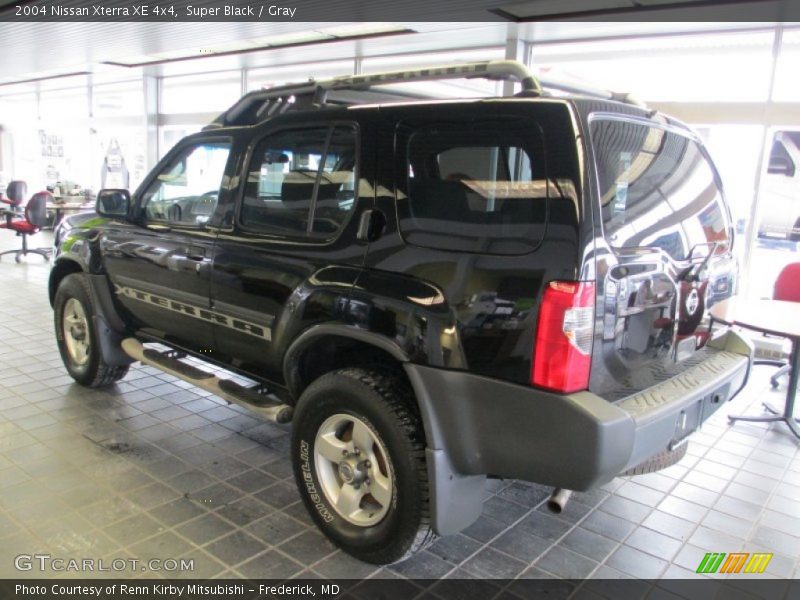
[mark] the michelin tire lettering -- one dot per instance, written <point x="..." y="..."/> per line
<point x="203" y="314"/>
<point x="308" y="480"/>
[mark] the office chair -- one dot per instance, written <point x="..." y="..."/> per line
<point x="35" y="217"/>
<point x="787" y="288"/>
<point x="15" y="196"/>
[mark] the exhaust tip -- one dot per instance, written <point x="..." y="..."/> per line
<point x="558" y="500"/>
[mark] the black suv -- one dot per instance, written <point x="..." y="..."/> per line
<point x="431" y="291"/>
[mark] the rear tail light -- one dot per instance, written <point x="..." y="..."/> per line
<point x="562" y="355"/>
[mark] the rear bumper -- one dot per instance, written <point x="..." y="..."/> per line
<point x="577" y="441"/>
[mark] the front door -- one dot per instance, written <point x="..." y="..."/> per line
<point x="160" y="264"/>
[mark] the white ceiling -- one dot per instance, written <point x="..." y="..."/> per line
<point x="34" y="50"/>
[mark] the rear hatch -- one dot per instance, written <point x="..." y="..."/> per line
<point x="664" y="255"/>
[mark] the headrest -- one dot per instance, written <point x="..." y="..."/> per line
<point x="439" y="199"/>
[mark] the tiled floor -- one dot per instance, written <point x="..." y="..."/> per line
<point x="156" y="468"/>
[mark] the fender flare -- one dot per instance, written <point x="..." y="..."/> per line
<point x="291" y="372"/>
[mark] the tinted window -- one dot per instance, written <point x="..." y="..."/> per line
<point x="186" y="191"/>
<point x="301" y="182"/>
<point x="657" y="189"/>
<point x="476" y="187"/>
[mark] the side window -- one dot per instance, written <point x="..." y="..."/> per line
<point x="657" y="189"/>
<point x="186" y="191"/>
<point x="301" y="182"/>
<point x="477" y="187"/>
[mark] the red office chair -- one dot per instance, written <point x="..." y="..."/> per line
<point x="787" y="287"/>
<point x="35" y="218"/>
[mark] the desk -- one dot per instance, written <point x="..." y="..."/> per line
<point x="60" y="208"/>
<point x="777" y="318"/>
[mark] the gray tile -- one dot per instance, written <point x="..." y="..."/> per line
<point x="271" y="565"/>
<point x="526" y="494"/>
<point x="251" y="480"/>
<point x="519" y="543"/>
<point x="176" y="512"/>
<point x="503" y="510"/>
<point x="204" y="529"/>
<point x="279" y="495"/>
<point x="423" y="566"/>
<point x="163" y="546"/>
<point x="669" y="525"/>
<point x="737" y="508"/>
<point x="133" y="529"/>
<point x="683" y="509"/>
<point x="342" y="566"/>
<point x="608" y="525"/>
<point x="652" y="542"/>
<point x="308" y="547"/>
<point x="637" y="563"/>
<point x="484" y="529"/>
<point x="235" y="547"/>
<point x="454" y="548"/>
<point x="566" y="564"/>
<point x="589" y="544"/>
<point x="695" y="494"/>
<point x="492" y="564"/>
<point x="274" y="528"/>
<point x="777" y="541"/>
<point x="626" y="509"/>
<point x="241" y="512"/>
<point x="639" y="493"/>
<point x="544" y="526"/>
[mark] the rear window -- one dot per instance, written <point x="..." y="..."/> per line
<point x="657" y="189"/>
<point x="475" y="187"/>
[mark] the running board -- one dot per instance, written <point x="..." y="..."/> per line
<point x="224" y="388"/>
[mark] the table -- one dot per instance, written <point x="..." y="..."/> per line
<point x="775" y="317"/>
<point x="63" y="207"/>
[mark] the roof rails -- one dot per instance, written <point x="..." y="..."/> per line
<point x="259" y="105"/>
<point x="586" y="90"/>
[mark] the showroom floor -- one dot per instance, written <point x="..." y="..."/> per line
<point x="156" y="468"/>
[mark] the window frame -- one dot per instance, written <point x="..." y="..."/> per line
<point x="179" y="148"/>
<point x="667" y="127"/>
<point x="304" y="238"/>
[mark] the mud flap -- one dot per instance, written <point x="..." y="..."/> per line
<point x="456" y="500"/>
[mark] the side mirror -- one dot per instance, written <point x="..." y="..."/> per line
<point x="113" y="203"/>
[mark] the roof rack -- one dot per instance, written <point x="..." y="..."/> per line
<point x="261" y="104"/>
<point x="587" y="90"/>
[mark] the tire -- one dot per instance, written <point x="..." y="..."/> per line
<point x="662" y="460"/>
<point x="78" y="343"/>
<point x="338" y="413"/>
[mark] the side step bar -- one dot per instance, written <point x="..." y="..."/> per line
<point x="224" y="388"/>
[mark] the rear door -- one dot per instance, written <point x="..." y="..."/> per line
<point x="291" y="256"/>
<point x="665" y="252"/>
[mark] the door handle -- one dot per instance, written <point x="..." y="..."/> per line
<point x="371" y="225"/>
<point x="196" y="253"/>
